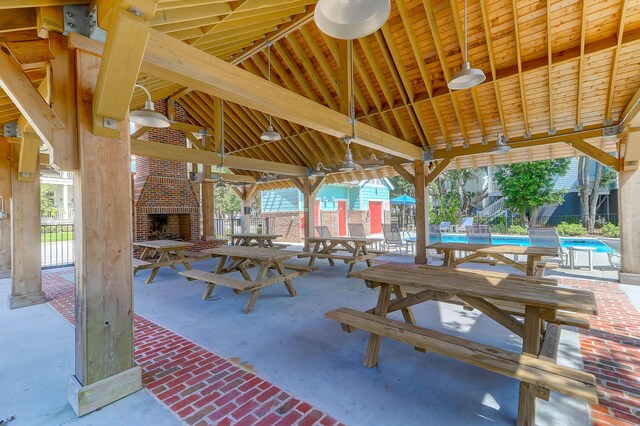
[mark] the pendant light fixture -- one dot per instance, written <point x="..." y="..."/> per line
<point x="318" y="170"/>
<point x="270" y="134"/>
<point x="500" y="147"/>
<point x="147" y="116"/>
<point x="351" y="19"/>
<point x="221" y="184"/>
<point x="467" y="77"/>
<point x="348" y="164"/>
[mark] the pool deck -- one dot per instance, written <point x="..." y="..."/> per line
<point x="286" y="364"/>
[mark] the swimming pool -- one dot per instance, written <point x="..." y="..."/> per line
<point x="522" y="240"/>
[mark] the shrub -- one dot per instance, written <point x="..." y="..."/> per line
<point x="499" y="228"/>
<point x="611" y="231"/>
<point x="600" y="222"/>
<point x="571" y="229"/>
<point x="517" y="230"/>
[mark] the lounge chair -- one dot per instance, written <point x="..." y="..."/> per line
<point x="323" y="231"/>
<point x="444" y="226"/>
<point x="356" y="230"/>
<point x="548" y="237"/>
<point x="479" y="234"/>
<point x="467" y="221"/>
<point x="614" y="245"/>
<point x="393" y="238"/>
<point x="435" y="233"/>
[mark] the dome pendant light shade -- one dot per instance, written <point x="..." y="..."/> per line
<point x="351" y="19"/>
<point x="270" y="135"/>
<point x="466" y="78"/>
<point x="500" y="147"/>
<point x="221" y="184"/>
<point x="147" y="116"/>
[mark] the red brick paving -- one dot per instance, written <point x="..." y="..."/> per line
<point x="200" y="387"/>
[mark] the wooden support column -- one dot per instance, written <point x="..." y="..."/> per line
<point x="5" y="223"/>
<point x="309" y="189"/>
<point x="629" y="208"/>
<point x="26" y="275"/>
<point x="105" y="370"/>
<point x="208" y="222"/>
<point x="246" y="195"/>
<point x="422" y="211"/>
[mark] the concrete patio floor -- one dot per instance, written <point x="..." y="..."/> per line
<point x="287" y="342"/>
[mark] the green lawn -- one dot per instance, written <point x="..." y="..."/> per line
<point x="57" y="236"/>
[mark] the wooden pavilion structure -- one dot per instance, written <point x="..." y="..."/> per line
<point x="562" y="80"/>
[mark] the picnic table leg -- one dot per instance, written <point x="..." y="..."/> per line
<point x="223" y="261"/>
<point x="324" y="249"/>
<point x="253" y="297"/>
<point x="356" y="252"/>
<point x="365" y="251"/>
<point x="288" y="284"/>
<point x="316" y="248"/>
<point x="373" y="346"/>
<point x="155" y="270"/>
<point x="208" y="291"/>
<point x="531" y="266"/>
<point x="530" y="346"/>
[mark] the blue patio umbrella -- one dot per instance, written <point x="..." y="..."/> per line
<point x="404" y="200"/>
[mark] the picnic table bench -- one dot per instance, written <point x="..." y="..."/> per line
<point x="541" y="302"/>
<point x="355" y="249"/>
<point x="271" y="270"/>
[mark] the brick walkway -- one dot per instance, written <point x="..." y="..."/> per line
<point x="199" y="387"/>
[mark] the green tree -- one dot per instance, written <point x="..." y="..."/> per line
<point x="226" y="202"/>
<point x="401" y="187"/>
<point x="589" y="187"/>
<point x="528" y="186"/>
<point x="449" y="192"/>
<point x="47" y="199"/>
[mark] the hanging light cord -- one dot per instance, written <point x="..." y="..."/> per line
<point x="269" y="70"/>
<point x="353" y="93"/>
<point x="222" y="139"/>
<point x="465" y="31"/>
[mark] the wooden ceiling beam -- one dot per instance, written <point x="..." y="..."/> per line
<point x="26" y="98"/>
<point x="173" y="16"/>
<point x="523" y="95"/>
<point x="581" y="60"/>
<point x="22" y="4"/>
<point x="168" y="152"/>
<point x="597" y="154"/>
<point x="374" y="66"/>
<point x="630" y="116"/>
<point x="614" y="64"/>
<point x="552" y="124"/>
<point x="17" y="20"/>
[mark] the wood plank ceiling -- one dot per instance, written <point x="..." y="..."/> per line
<point x="553" y="65"/>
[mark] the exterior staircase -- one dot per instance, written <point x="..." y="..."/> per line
<point x="494" y="209"/>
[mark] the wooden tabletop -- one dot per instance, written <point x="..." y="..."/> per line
<point x="458" y="246"/>
<point x="515" y="249"/>
<point x="478" y="284"/>
<point x="256" y="236"/>
<point x="250" y="252"/>
<point x="163" y="244"/>
<point x="500" y="249"/>
<point x="345" y="239"/>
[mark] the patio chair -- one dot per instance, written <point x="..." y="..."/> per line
<point x="614" y="245"/>
<point x="479" y="234"/>
<point x="393" y="237"/>
<point x="444" y="226"/>
<point x="435" y="233"/>
<point x="467" y="221"/>
<point x="323" y="231"/>
<point x="356" y="230"/>
<point x="548" y="237"/>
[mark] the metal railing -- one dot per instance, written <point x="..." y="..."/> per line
<point x="493" y="209"/>
<point x="57" y="215"/>
<point x="57" y="245"/>
<point x="233" y="225"/>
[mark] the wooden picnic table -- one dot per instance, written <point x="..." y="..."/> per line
<point x="271" y="269"/>
<point x="247" y="239"/>
<point x="497" y="252"/>
<point x="540" y="332"/>
<point x="159" y="253"/>
<point x="328" y="248"/>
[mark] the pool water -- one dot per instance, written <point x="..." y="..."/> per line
<point x="524" y="241"/>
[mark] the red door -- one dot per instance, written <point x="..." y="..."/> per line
<point x="375" y="216"/>
<point x="342" y="218"/>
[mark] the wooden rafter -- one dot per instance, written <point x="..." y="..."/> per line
<point x="614" y="62"/>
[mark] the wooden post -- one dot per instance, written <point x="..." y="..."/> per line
<point x="208" y="227"/>
<point x="629" y="208"/>
<point x="422" y="212"/>
<point x="309" y="189"/>
<point x="105" y="370"/>
<point x="246" y="195"/>
<point x="5" y="223"/>
<point x="26" y="275"/>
